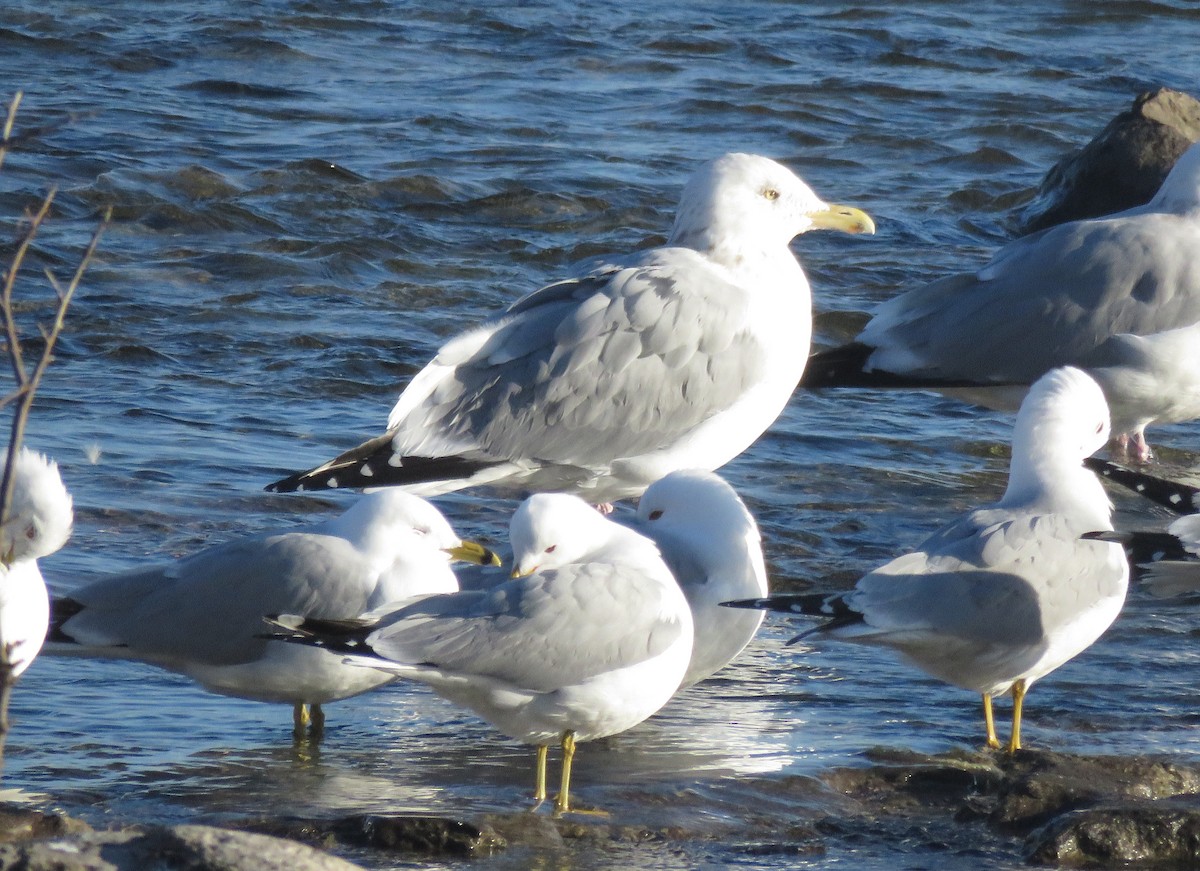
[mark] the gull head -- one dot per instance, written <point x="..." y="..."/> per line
<point x="40" y="517"/>
<point x="697" y="505"/>
<point x="751" y="198"/>
<point x="399" y="519"/>
<point x="550" y="530"/>
<point x="1180" y="190"/>
<point x="1063" y="415"/>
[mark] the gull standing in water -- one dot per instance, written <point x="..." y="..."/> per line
<point x="202" y="615"/>
<point x="38" y="523"/>
<point x="591" y="635"/>
<point x="1002" y="597"/>
<point x="711" y="543"/>
<point x="1118" y="296"/>
<point x="597" y="385"/>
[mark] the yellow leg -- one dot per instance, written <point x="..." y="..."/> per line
<point x="316" y="720"/>
<point x="562" y="804"/>
<point x="1018" y="694"/>
<point x="992" y="740"/>
<point x="539" y="792"/>
<point x="299" y="718"/>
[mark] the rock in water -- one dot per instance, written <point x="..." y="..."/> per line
<point x="1123" y="166"/>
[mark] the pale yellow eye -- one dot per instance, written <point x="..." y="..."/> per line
<point x="771" y="194"/>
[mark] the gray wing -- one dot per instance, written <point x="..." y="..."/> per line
<point x="541" y="633"/>
<point x="617" y="363"/>
<point x="209" y="607"/>
<point x="992" y="578"/>
<point x="1045" y="300"/>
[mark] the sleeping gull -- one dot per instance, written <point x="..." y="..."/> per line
<point x="1056" y="297"/>
<point x="591" y="635"/>
<point x="202" y="615"/>
<point x="674" y="357"/>
<point x="1007" y="594"/>
<point x="711" y="543"/>
<point x="1169" y="561"/>
<point x="38" y="523"/>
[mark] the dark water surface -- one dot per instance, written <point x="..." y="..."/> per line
<point x="310" y="196"/>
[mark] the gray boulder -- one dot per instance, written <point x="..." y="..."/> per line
<point x="1123" y="166"/>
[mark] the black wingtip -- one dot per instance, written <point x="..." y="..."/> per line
<point x="847" y="366"/>
<point x="1180" y="498"/>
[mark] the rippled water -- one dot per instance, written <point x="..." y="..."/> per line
<point x="310" y="196"/>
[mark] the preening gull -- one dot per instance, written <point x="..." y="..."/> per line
<point x="712" y="545"/>
<point x="1007" y="594"/>
<point x="597" y="385"/>
<point x="591" y="635"/>
<point x="1118" y="296"/>
<point x="38" y="523"/>
<point x="202" y="615"/>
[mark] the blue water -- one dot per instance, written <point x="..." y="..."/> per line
<point x="310" y="196"/>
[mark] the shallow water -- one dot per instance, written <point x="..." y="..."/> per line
<point x="310" y="196"/>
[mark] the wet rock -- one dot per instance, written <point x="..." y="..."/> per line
<point x="396" y="833"/>
<point x="174" y="848"/>
<point x="1123" y="166"/>
<point x="20" y="823"/>
<point x="1119" y="837"/>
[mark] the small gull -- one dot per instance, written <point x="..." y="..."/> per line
<point x="591" y="635"/>
<point x="1118" y="296"/>
<point x="202" y="615"/>
<point x="38" y="523"/>
<point x="711" y="543"/>
<point x="597" y="385"/>
<point x="1007" y="594"/>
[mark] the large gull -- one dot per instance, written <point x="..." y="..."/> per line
<point x="1002" y="597"/>
<point x="37" y="524"/>
<point x="591" y="635"/>
<point x="1118" y="296"/>
<point x="712" y="545"/>
<point x="202" y="615"/>
<point x="673" y="357"/>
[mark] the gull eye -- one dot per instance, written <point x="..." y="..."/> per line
<point x="771" y="193"/>
<point x="552" y="548"/>
<point x="655" y="514"/>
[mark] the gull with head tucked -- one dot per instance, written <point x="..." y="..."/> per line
<point x="599" y="384"/>
<point x="1002" y="597"/>
<point x="38" y="523"/>
<point x="591" y="635"/>
<point x="1118" y="296"/>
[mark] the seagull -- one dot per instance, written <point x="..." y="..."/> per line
<point x="589" y="637"/>
<point x="712" y="545"/>
<point x="38" y="523"/>
<point x="202" y="615"/>
<point x="1169" y="562"/>
<point x="599" y="384"/>
<point x="1005" y="595"/>
<point x="1118" y="296"/>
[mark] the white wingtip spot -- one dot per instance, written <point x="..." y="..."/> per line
<point x="366" y="471"/>
<point x="331" y="483"/>
<point x="1176" y="498"/>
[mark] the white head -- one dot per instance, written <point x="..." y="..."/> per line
<point x="1063" y="419"/>
<point x="697" y="502"/>
<point x="1180" y="190"/>
<point x="550" y="530"/>
<point x="40" y="516"/>
<point x="738" y="199"/>
<point x="389" y="519"/>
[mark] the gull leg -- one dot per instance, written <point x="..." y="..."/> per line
<point x="539" y="792"/>
<point x="562" y="804"/>
<point x="1018" y="694"/>
<point x="1141" y="448"/>
<point x="992" y="741"/>
<point x="316" y="724"/>
<point x="299" y="719"/>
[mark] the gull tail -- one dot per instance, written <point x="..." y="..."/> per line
<point x="338" y="636"/>
<point x="832" y="606"/>
<point x="62" y="609"/>
<point x="372" y="464"/>
<point x="1180" y="498"/>
<point x="848" y="366"/>
<point x="1146" y="547"/>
